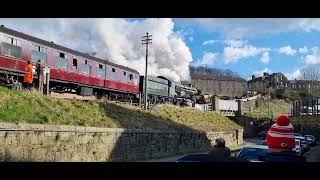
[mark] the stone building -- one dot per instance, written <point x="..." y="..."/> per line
<point x="279" y="81"/>
<point x="272" y="81"/>
<point x="305" y="86"/>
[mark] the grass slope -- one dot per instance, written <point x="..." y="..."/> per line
<point x="277" y="107"/>
<point x="32" y="107"/>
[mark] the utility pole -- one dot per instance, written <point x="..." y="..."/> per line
<point x="146" y="40"/>
<point x="269" y="99"/>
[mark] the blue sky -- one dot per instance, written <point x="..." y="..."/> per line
<point x="246" y="46"/>
<point x="277" y="43"/>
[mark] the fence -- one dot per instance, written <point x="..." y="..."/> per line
<point x="306" y="107"/>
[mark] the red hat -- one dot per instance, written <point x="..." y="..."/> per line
<point x="281" y="135"/>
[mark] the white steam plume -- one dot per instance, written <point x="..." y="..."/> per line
<point x="118" y="40"/>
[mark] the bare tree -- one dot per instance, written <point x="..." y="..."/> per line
<point x="311" y="73"/>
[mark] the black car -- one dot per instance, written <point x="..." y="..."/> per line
<point x="262" y="134"/>
<point x="208" y="158"/>
<point x="253" y="154"/>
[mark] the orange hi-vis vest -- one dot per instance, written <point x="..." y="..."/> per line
<point x="28" y="76"/>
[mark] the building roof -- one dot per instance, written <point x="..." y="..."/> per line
<point x="21" y="35"/>
<point x="267" y="77"/>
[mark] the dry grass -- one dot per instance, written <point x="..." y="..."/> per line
<point x="277" y="107"/>
<point x="32" y="107"/>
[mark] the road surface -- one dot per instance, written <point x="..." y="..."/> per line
<point x="313" y="155"/>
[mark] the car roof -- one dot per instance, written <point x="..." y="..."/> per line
<point x="256" y="147"/>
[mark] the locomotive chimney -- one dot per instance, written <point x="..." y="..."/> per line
<point x="2" y="25"/>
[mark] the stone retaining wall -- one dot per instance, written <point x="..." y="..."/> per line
<point x="307" y="124"/>
<point x="30" y="142"/>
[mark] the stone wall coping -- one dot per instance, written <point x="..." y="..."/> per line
<point x="83" y="129"/>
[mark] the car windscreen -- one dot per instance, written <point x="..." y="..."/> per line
<point x="252" y="153"/>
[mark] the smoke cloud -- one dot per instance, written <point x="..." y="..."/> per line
<point x="117" y="40"/>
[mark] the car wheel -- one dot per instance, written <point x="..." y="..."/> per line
<point x="301" y="152"/>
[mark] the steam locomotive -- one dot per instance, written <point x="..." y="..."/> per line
<point x="75" y="72"/>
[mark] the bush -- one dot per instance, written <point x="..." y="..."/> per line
<point x="280" y="94"/>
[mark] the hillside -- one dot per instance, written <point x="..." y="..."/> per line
<point x="32" y="107"/>
<point x="217" y="81"/>
<point x="277" y="107"/>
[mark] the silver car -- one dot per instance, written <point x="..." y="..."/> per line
<point x="298" y="148"/>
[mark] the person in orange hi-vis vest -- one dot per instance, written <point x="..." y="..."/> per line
<point x="28" y="76"/>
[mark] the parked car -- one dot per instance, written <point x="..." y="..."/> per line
<point x="253" y="154"/>
<point x="207" y="158"/>
<point x="311" y="140"/>
<point x="262" y="134"/>
<point x="303" y="140"/>
<point x="299" y="149"/>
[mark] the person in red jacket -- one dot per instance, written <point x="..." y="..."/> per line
<point x="28" y="76"/>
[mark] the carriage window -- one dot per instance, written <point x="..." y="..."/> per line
<point x="124" y="77"/>
<point x="74" y="64"/>
<point x="61" y="60"/>
<point x="12" y="47"/>
<point x="62" y="55"/>
<point x="39" y="53"/>
<point x="100" y="71"/>
<point x="135" y="81"/>
<point x="12" y="41"/>
<point x="113" y="74"/>
<point x="39" y="48"/>
<point x="86" y="67"/>
<point x="131" y="76"/>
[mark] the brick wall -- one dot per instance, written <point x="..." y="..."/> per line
<point x="29" y="142"/>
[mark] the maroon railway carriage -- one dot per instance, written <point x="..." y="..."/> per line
<point x="69" y="69"/>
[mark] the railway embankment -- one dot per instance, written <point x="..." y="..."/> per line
<point x="35" y="127"/>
